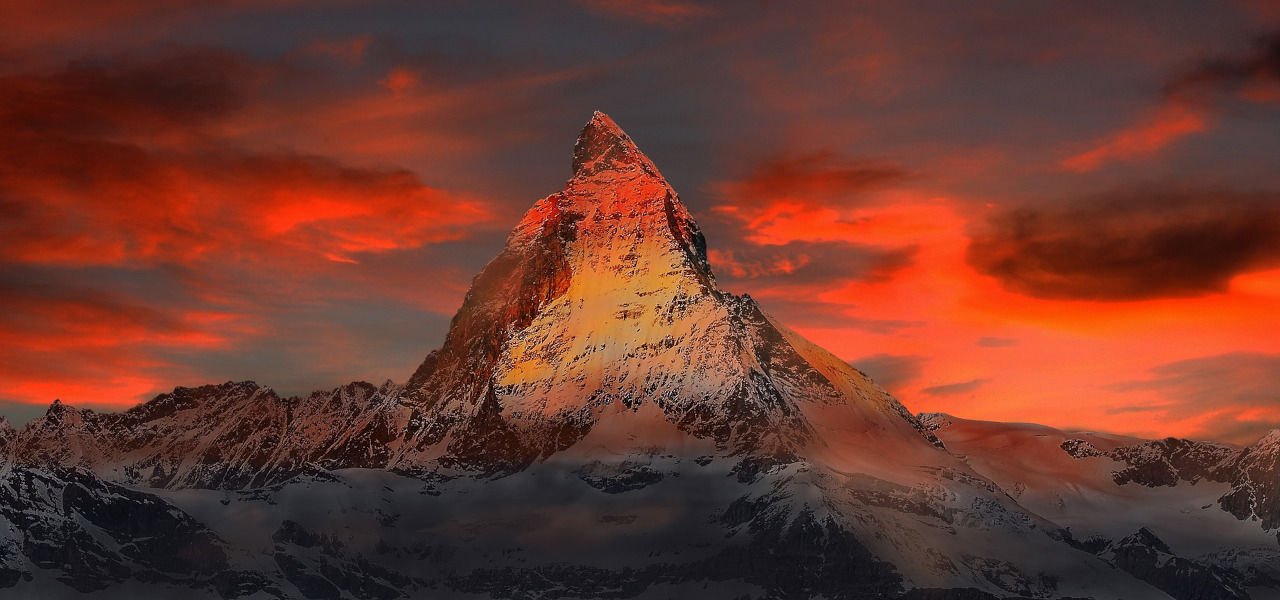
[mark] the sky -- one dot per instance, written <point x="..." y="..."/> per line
<point x="1065" y="213"/>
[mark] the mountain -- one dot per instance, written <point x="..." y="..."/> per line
<point x="603" y="421"/>
<point x="603" y="306"/>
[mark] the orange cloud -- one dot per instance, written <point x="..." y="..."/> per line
<point x="982" y="351"/>
<point x="152" y="184"/>
<point x="1169" y="124"/>
<point x="84" y="345"/>
<point x="818" y="177"/>
<point x="805" y="197"/>
<point x="948" y="337"/>
<point x="1230" y="396"/>
<point x="45" y="25"/>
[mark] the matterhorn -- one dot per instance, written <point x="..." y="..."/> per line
<point x="603" y="421"/>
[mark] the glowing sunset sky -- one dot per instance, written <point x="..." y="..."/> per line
<point x="1058" y="212"/>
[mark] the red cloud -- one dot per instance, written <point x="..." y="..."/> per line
<point x="814" y="223"/>
<point x="788" y="192"/>
<point x="120" y="164"/>
<point x="1171" y="123"/>
<point x="818" y="177"/>
<point x="86" y="345"/>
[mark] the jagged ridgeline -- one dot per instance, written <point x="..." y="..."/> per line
<point x="603" y="420"/>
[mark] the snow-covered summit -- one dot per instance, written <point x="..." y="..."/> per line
<point x="603" y="145"/>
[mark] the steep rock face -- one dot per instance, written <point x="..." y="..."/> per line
<point x="1168" y="461"/>
<point x="603" y="301"/>
<point x="1255" y="482"/>
<point x="7" y="433"/>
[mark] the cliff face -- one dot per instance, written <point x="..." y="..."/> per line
<point x="1255" y="482"/>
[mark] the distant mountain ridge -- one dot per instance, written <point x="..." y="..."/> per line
<point x="603" y="421"/>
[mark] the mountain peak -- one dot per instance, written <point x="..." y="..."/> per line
<point x="602" y="145"/>
<point x="1272" y="438"/>
<point x="603" y="306"/>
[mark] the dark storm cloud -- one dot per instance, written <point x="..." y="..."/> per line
<point x="1230" y="73"/>
<point x="96" y="97"/>
<point x="1131" y="245"/>
<point x="1239" y="391"/>
<point x="890" y="370"/>
<point x="954" y="389"/>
